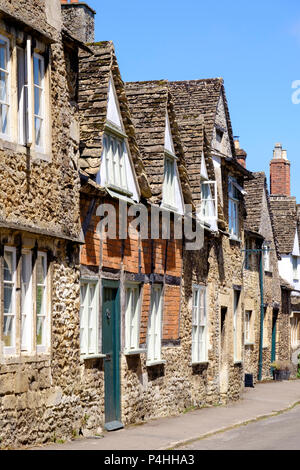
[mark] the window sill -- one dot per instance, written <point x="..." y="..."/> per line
<point x="232" y="238"/>
<point x="118" y="189"/>
<point x="35" y="154"/>
<point x="9" y="359"/>
<point x="238" y="363"/>
<point x="201" y="363"/>
<point x="92" y="356"/>
<point x="249" y="343"/>
<point x="155" y="363"/>
<point x="169" y="208"/>
<point x="134" y="352"/>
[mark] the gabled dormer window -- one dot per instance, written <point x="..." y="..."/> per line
<point x="114" y="157"/>
<point x="233" y="207"/>
<point x="171" y="195"/>
<point x="266" y="257"/>
<point x="169" y="182"/>
<point x="209" y="198"/>
<point x="116" y="169"/>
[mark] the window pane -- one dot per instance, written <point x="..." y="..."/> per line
<point x="40" y="300"/>
<point x="3" y="55"/>
<point x="8" y="266"/>
<point x="38" y="131"/>
<point x="3" y="86"/>
<point x="38" y="70"/>
<point x="8" y="299"/>
<point x="41" y="270"/>
<point x="38" y="101"/>
<point x="8" y="331"/>
<point x="40" y="321"/>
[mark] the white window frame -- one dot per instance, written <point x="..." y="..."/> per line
<point x="248" y="327"/>
<point x="132" y="317"/>
<point x="41" y="348"/>
<point x="11" y="350"/>
<point x="23" y="96"/>
<point x="169" y="195"/>
<point x="114" y="158"/>
<point x="295" y="268"/>
<point x="199" y="325"/>
<point x="42" y="116"/>
<point x="233" y="208"/>
<point x="154" y="333"/>
<point x="89" y="347"/>
<point x="210" y="202"/>
<point x="266" y="257"/>
<point x="237" y="340"/>
<point x="26" y="309"/>
<point x="7" y="135"/>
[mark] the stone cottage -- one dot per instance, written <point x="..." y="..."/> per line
<point x="216" y="270"/>
<point x="267" y="314"/>
<point x="130" y="285"/>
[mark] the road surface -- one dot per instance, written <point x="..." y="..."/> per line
<point x="281" y="432"/>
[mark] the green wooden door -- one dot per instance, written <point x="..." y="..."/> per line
<point x="111" y="347"/>
<point x="274" y="323"/>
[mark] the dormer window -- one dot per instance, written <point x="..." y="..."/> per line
<point x="266" y="257"/>
<point x="172" y="198"/>
<point x="116" y="171"/>
<point x="219" y="136"/>
<point x="114" y="157"/>
<point x="209" y="203"/>
<point x="233" y="208"/>
<point x="169" y="182"/>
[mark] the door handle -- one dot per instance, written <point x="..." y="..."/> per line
<point x="108" y="357"/>
<point x="108" y="314"/>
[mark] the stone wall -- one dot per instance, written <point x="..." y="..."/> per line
<point x="46" y="396"/>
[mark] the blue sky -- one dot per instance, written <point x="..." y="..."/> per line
<point x="254" y="46"/>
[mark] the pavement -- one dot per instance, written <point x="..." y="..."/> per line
<point x="265" y="400"/>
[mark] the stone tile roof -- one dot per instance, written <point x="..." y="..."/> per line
<point x="201" y="97"/>
<point x="195" y="144"/>
<point x="253" y="201"/>
<point x="255" y="187"/>
<point x="95" y="69"/>
<point x="285" y="220"/>
<point x="149" y="102"/>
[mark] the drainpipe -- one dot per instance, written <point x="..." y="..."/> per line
<point x="261" y="279"/>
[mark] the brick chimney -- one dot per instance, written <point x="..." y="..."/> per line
<point x="280" y="178"/>
<point x="241" y="155"/>
<point x="79" y="19"/>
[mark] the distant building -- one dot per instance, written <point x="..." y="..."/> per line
<point x="287" y="223"/>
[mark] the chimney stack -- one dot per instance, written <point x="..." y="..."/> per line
<point x="280" y="172"/>
<point x="79" y="19"/>
<point x="241" y="155"/>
